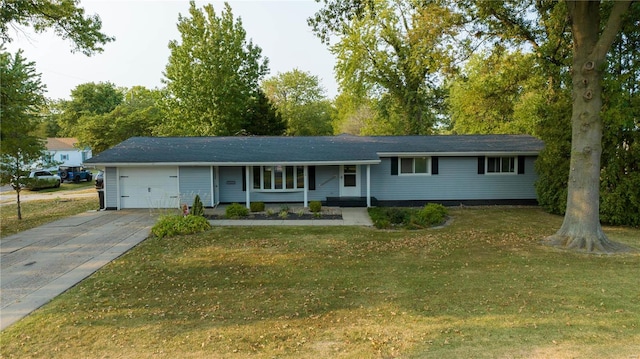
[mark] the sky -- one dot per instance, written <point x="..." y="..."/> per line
<point x="143" y="29"/>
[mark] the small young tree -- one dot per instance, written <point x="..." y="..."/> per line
<point x="197" y="209"/>
<point x="21" y="95"/>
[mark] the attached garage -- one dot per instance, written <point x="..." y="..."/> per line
<point x="148" y="187"/>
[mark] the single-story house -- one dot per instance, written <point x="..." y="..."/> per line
<point x="165" y="172"/>
<point x="65" y="152"/>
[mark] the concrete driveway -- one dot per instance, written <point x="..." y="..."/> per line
<point x="39" y="264"/>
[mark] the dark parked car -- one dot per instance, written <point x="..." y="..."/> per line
<point x="74" y="173"/>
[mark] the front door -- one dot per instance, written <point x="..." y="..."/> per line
<point x="349" y="181"/>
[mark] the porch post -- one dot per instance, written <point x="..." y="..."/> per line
<point x="213" y="187"/>
<point x="247" y="182"/>
<point x="306" y="186"/>
<point x="368" y="186"/>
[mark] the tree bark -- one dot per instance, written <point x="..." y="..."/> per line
<point x="581" y="229"/>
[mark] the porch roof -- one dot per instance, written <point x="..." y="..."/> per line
<point x="304" y="150"/>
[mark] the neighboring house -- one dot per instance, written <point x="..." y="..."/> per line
<point x="64" y="152"/>
<point x="164" y="172"/>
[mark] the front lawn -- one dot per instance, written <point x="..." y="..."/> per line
<point x="481" y="287"/>
<point x="37" y="213"/>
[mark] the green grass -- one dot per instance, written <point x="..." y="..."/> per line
<point x="482" y="287"/>
<point x="37" y="213"/>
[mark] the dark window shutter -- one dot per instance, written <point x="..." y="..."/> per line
<point x="244" y="179"/>
<point x="311" y="171"/>
<point x="520" y="165"/>
<point x="434" y="165"/>
<point x="394" y="166"/>
<point x="480" y="165"/>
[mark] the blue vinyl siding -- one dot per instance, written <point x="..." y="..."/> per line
<point x="458" y="179"/>
<point x="327" y="183"/>
<point x="111" y="187"/>
<point x="195" y="181"/>
<point x="231" y="185"/>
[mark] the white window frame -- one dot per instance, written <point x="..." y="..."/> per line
<point x="413" y="165"/>
<point x="64" y="157"/>
<point x="283" y="177"/>
<point x="500" y="172"/>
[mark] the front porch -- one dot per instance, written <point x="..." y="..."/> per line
<point x="339" y="185"/>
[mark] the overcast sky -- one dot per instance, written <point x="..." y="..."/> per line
<point x="143" y="30"/>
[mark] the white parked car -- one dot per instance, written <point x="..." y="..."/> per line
<point x="40" y="179"/>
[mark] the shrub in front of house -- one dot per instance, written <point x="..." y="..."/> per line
<point x="235" y="211"/>
<point x="175" y="225"/>
<point x="256" y="206"/>
<point x="409" y="218"/>
<point x="197" y="209"/>
<point x="315" y="206"/>
<point x="397" y="215"/>
<point x="389" y="217"/>
<point x="430" y="215"/>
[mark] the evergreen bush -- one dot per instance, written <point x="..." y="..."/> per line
<point x="197" y="209"/>
<point x="315" y="206"/>
<point x="257" y="206"/>
<point x="235" y="211"/>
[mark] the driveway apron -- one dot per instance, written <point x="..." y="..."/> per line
<point x="39" y="264"/>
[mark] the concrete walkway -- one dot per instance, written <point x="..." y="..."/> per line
<point x="38" y="264"/>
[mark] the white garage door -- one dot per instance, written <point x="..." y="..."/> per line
<point x="149" y="187"/>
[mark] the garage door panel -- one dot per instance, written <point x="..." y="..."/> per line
<point x="149" y="187"/>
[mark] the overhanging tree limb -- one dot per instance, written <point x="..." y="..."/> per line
<point x="614" y="23"/>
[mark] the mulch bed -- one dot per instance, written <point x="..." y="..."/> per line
<point x="276" y="216"/>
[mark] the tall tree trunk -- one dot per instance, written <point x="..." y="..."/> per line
<point x="581" y="229"/>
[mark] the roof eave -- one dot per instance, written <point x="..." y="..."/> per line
<point x="459" y="154"/>
<point x="233" y="164"/>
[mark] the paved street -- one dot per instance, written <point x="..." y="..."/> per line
<point x="9" y="196"/>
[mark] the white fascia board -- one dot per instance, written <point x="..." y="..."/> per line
<point x="234" y="164"/>
<point x="458" y="154"/>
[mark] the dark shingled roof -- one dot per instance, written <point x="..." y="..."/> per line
<point x="344" y="148"/>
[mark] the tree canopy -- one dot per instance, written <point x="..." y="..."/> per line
<point x="301" y="101"/>
<point x="497" y="92"/>
<point x="394" y="52"/>
<point x="65" y="17"/>
<point x="87" y="100"/>
<point x="212" y="75"/>
<point x="137" y="115"/>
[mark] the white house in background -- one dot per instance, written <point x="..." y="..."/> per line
<point x="64" y="150"/>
